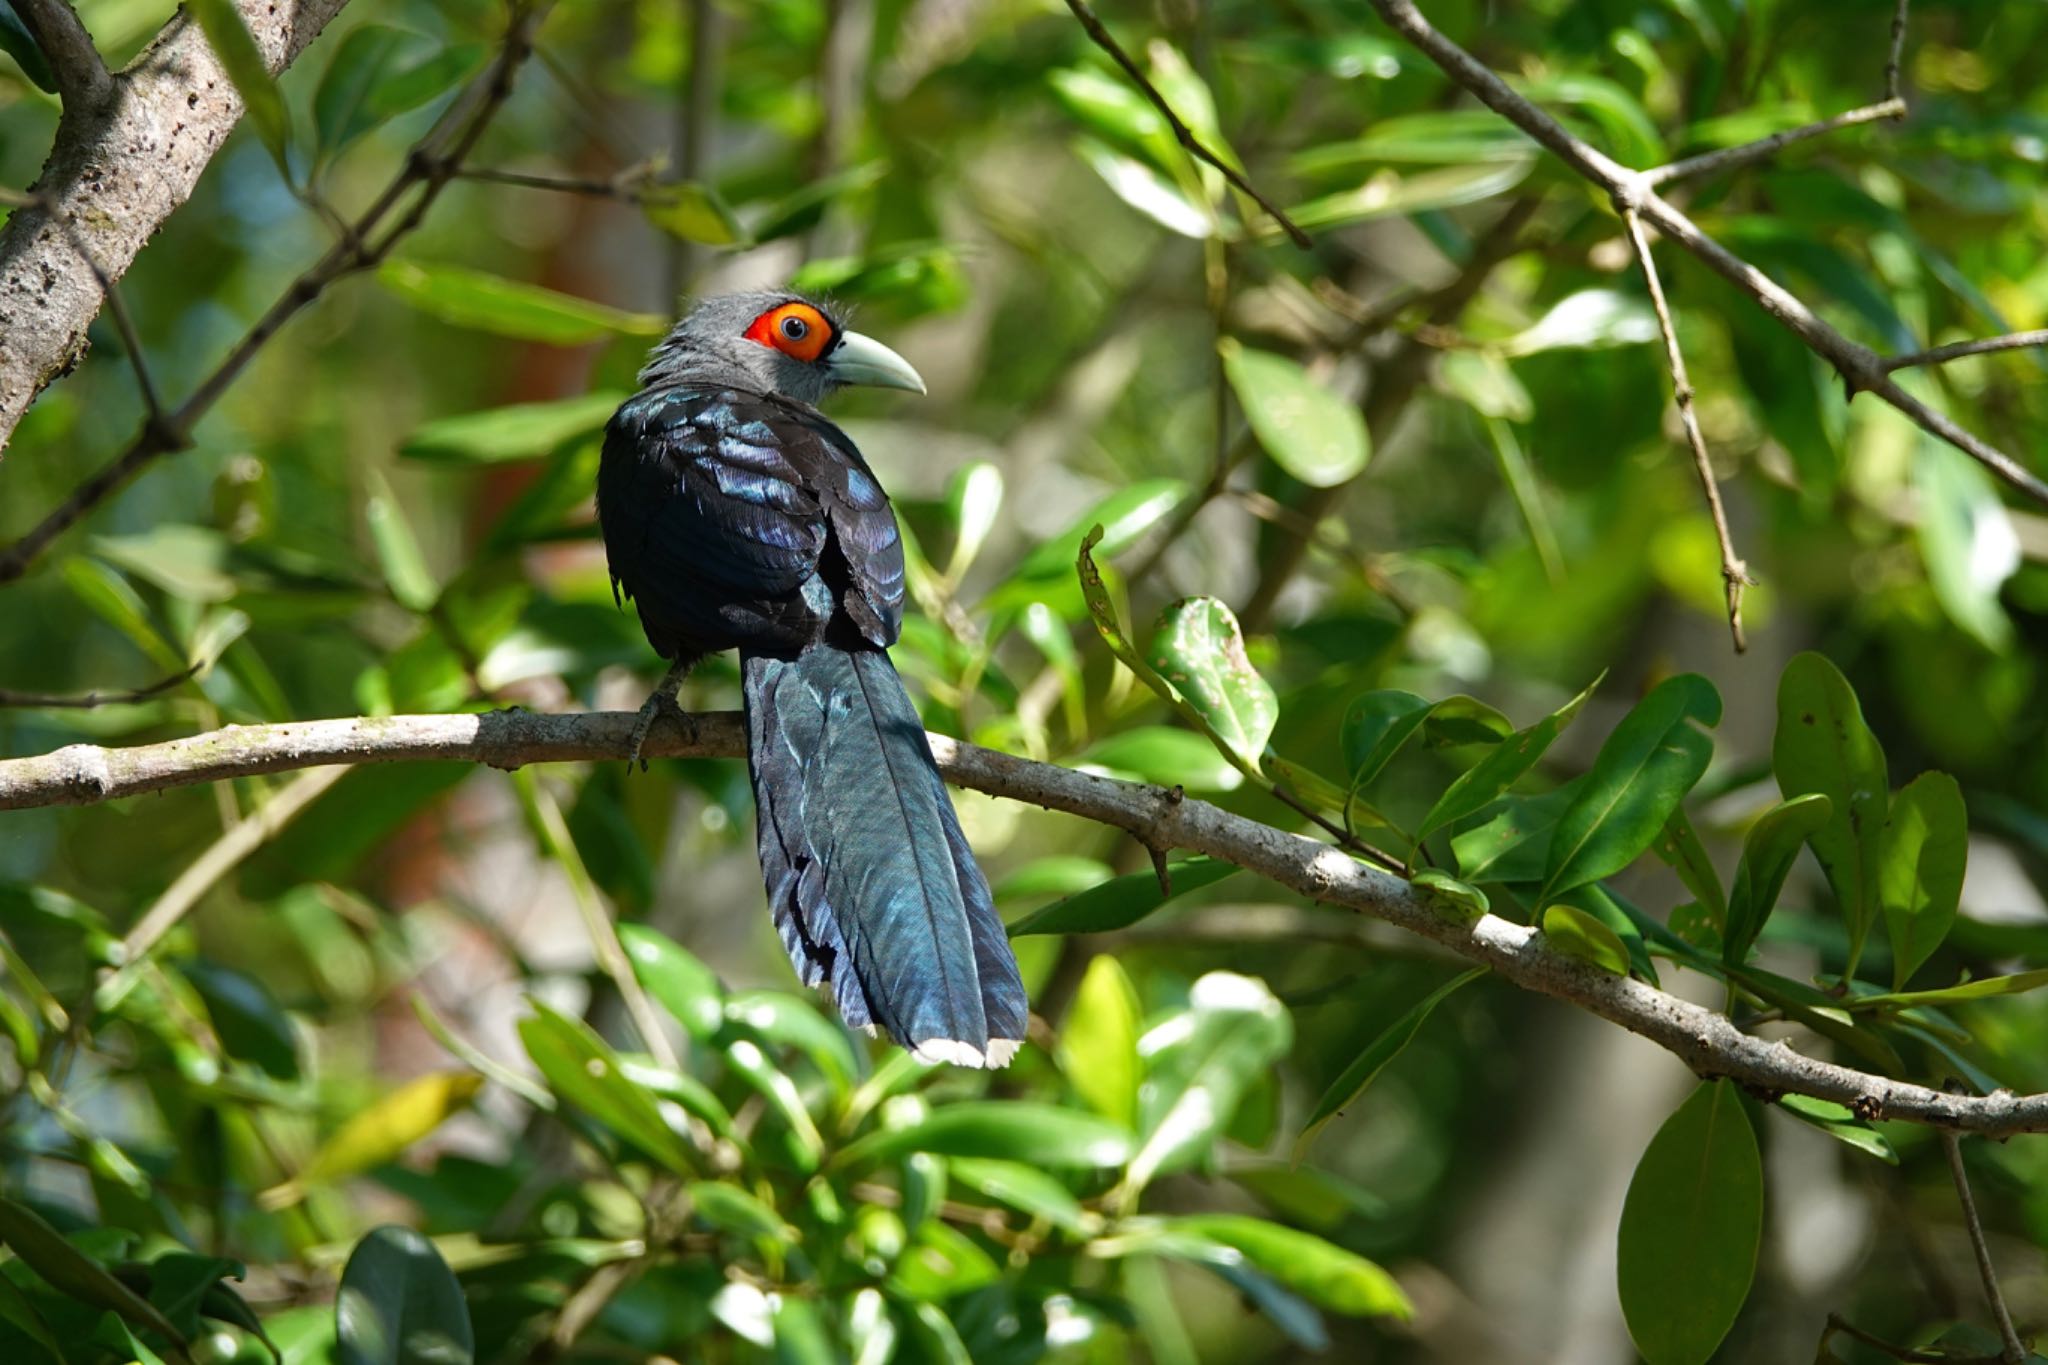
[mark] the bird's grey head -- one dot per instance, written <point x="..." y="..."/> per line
<point x="773" y="342"/>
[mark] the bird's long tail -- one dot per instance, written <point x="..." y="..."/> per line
<point x="873" y="886"/>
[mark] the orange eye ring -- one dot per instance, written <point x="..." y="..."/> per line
<point x="795" y="329"/>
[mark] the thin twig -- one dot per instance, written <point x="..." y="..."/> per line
<point x="1729" y="158"/>
<point x="124" y="323"/>
<point x="1861" y="368"/>
<point x="80" y="72"/>
<point x="1103" y="39"/>
<point x="46" y="701"/>
<point x="1891" y="64"/>
<point x="1734" y="573"/>
<point x="1941" y="355"/>
<point x="429" y="168"/>
<point x="1701" y="1038"/>
<point x="1838" y="1323"/>
<point x="635" y="184"/>
<point x="2014" y="1351"/>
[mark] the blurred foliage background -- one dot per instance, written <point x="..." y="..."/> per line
<point x="390" y="513"/>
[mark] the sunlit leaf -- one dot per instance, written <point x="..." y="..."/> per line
<point x="675" y="979"/>
<point x="1920" y="869"/>
<point x="691" y="212"/>
<point x="1008" y="1130"/>
<point x="1768" y="851"/>
<point x="1198" y="1063"/>
<point x="583" y="1071"/>
<point x="1309" y="431"/>
<point x="1576" y="933"/>
<point x="1098" y="1042"/>
<point x="512" y="308"/>
<point x="384" y="1130"/>
<point x="1823" y="745"/>
<point x="520" y="431"/>
<point x="1200" y="650"/>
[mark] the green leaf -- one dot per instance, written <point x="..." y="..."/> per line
<point x="1098" y="1043"/>
<point x="730" y="1208"/>
<point x="1147" y="191"/>
<point x="1679" y="846"/>
<point x="1592" y="319"/>
<point x="1690" y="1229"/>
<point x="179" y="1283"/>
<point x="381" y="1132"/>
<point x="17" y="42"/>
<point x="1026" y="1189"/>
<point x="1822" y="745"/>
<point x="675" y="979"/>
<point x="782" y="1020"/>
<point x="1123" y="902"/>
<point x="1376" y="725"/>
<point x="975" y="499"/>
<point x="692" y="212"/>
<point x="1451" y="137"/>
<point x="773" y="1084"/>
<point x="1838" y="1121"/>
<point x="1328" y="1275"/>
<point x="940" y="1263"/>
<point x="1576" y="933"/>
<point x="1921" y="855"/>
<point x="1388" y="195"/>
<point x="1983" y="988"/>
<point x="1512" y="841"/>
<point x="800" y="1337"/>
<point x="1008" y="1130"/>
<point x="1166" y="756"/>
<point x="17" y="1307"/>
<point x="518" y="431"/>
<point x="1966" y="538"/>
<point x="1365" y="1068"/>
<point x="400" y="1304"/>
<point x="1644" y="770"/>
<point x="1503" y="766"/>
<point x="1124" y="516"/>
<point x="1198" y="647"/>
<point x="70" y="1271"/>
<point x="243" y="61"/>
<point x="247" y="1020"/>
<point x="582" y="1070"/>
<point x="1768" y="852"/>
<point x="1461" y="898"/>
<point x="1198" y="1064"/>
<point x="1309" y="431"/>
<point x="503" y="307"/>
<point x="365" y="84"/>
<point x="1056" y="874"/>
<point x="398" y="549"/>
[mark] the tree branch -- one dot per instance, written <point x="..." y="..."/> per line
<point x="364" y="244"/>
<point x="2014" y="1352"/>
<point x="1862" y="368"/>
<point x="81" y="75"/>
<point x="120" y="165"/>
<point x="1182" y="134"/>
<point x="1941" y="355"/>
<point x="1703" y="1039"/>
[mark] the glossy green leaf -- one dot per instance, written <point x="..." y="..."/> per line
<point x="1307" y="1194"/>
<point x="730" y="1208"/>
<point x="1679" y="846"/>
<point x="1592" y="319"/>
<point x="70" y="1271"/>
<point x="975" y="498"/>
<point x="1577" y="933"/>
<point x="1365" y="1068"/>
<point x="400" y="1304"/>
<point x="1198" y="1064"/>
<point x="1921" y="857"/>
<point x="1451" y="894"/>
<point x="511" y="308"/>
<point x="1983" y="988"/>
<point x="583" y="1071"/>
<point x="1320" y="1271"/>
<point x="1653" y="758"/>
<point x="1486" y="383"/>
<point x="806" y="1144"/>
<point x="1768" y="851"/>
<point x="675" y="979"/>
<point x="239" y="56"/>
<point x="1511" y="842"/>
<point x="1838" y="1121"/>
<point x="940" y="1263"/>
<point x="1823" y="745"/>
<point x="1309" y="431"/>
<point x="1389" y="195"/>
<point x="247" y="1020"/>
<point x="1008" y="1130"/>
<point x="783" y="1020"/>
<point x="1147" y="191"/>
<point x="1123" y="902"/>
<point x="1198" y="647"/>
<point x="1376" y="726"/>
<point x="520" y="431"/>
<point x="1503" y="766"/>
<point x="1027" y="1189"/>
<point x="1690" y="1228"/>
<point x="1098" y="1042"/>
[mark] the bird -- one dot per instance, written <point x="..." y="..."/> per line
<point x="736" y="516"/>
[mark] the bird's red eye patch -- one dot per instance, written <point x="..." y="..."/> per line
<point x="795" y="329"/>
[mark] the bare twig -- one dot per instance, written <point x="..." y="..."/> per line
<point x="1861" y="368"/>
<point x="427" y="170"/>
<point x="635" y="184"/>
<point x="1729" y="158"/>
<point x="1701" y="1038"/>
<point x="81" y="74"/>
<point x="86" y="701"/>
<point x="2014" y="1351"/>
<point x="1891" y="64"/>
<point x="1838" y="1323"/>
<point x="1941" y="355"/>
<point x="124" y="322"/>
<point x="1734" y="573"/>
<point x="1103" y="39"/>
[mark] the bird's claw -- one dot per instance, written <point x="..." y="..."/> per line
<point x="658" y="701"/>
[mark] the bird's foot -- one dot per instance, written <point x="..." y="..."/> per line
<point x="662" y="698"/>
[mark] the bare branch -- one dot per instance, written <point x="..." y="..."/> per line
<point x="1941" y="355"/>
<point x="427" y="171"/>
<point x="118" y="168"/>
<point x="88" y="700"/>
<point x="81" y="75"/>
<point x="1891" y="65"/>
<point x="1734" y="573"/>
<point x="2014" y="1352"/>
<point x="1729" y="158"/>
<point x="1703" y="1039"/>
<point x="1103" y="39"/>
<point x="1861" y="367"/>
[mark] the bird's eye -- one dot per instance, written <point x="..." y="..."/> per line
<point x="795" y="328"/>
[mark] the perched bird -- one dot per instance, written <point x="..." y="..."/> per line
<point x="736" y="517"/>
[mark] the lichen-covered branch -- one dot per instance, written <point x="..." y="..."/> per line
<point x="1161" y="819"/>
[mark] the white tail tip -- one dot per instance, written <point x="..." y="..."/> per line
<point x="933" y="1051"/>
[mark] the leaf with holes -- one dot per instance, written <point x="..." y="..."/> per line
<point x="1200" y="650"/>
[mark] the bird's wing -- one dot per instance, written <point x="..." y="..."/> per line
<point x="728" y="518"/>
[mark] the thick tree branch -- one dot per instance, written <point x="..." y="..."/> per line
<point x="1701" y="1038"/>
<point x="1862" y="368"/>
<point x="363" y="245"/>
<point x="82" y="77"/>
<point x="121" y="164"/>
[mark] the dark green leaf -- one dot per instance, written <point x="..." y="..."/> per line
<point x="71" y="1272"/>
<point x="1026" y="1189"/>
<point x="1123" y="902"/>
<point x="1502" y="767"/>
<point x="1513" y="840"/>
<point x="1838" y="1121"/>
<point x="1388" y="1044"/>
<point x="399" y="1304"/>
<point x="1822" y="745"/>
<point x="1376" y="725"/>
<point x="1768" y="851"/>
<point x="245" y="1018"/>
<point x="17" y="42"/>
<point x="1679" y="845"/>
<point x="1690" y="1229"/>
<point x="583" y="1071"/>
<point x="505" y="307"/>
